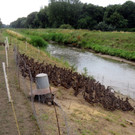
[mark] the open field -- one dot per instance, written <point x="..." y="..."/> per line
<point x="120" y="44"/>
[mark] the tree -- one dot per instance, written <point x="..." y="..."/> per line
<point x="43" y="18"/>
<point x="32" y="21"/>
<point x="117" y="20"/>
<point x="79" y="15"/>
<point x="109" y="10"/>
<point x="19" y="23"/>
<point x="64" y="12"/>
<point x="113" y="16"/>
<point x="90" y="16"/>
<point x="0" y="23"/>
<point x="128" y="12"/>
<point x="86" y="23"/>
<point x="104" y="27"/>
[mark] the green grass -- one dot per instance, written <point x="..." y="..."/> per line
<point x="38" y="54"/>
<point x="87" y="132"/>
<point x="37" y="41"/>
<point x="113" y="132"/>
<point x="45" y="117"/>
<point x="120" y="44"/>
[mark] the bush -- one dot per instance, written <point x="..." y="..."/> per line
<point x="66" y="26"/>
<point x="127" y="29"/>
<point x="104" y="27"/>
<point x="37" y="41"/>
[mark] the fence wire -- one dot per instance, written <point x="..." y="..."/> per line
<point x="17" y="59"/>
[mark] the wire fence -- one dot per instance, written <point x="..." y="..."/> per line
<point x="28" y="90"/>
<point x="28" y="85"/>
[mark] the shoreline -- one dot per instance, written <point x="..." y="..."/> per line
<point x="99" y="54"/>
<point x="110" y="57"/>
<point x="116" y="58"/>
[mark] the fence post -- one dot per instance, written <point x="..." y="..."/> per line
<point x="7" y="44"/>
<point x="6" y="81"/>
<point x="26" y="45"/>
<point x="6" y="55"/>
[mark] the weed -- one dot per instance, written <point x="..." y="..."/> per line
<point x="44" y="117"/>
<point x="85" y="71"/>
<point x="33" y="117"/>
<point x="78" y="121"/>
<point x="123" y="125"/>
<point x="113" y="133"/>
<point x="87" y="132"/>
<point x="73" y="68"/>
<point x="73" y="115"/>
<point x="108" y="119"/>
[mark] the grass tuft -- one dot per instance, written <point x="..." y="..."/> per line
<point x="37" y="41"/>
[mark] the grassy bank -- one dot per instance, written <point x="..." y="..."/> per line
<point x="30" y="49"/>
<point x="120" y="44"/>
<point x="35" y="40"/>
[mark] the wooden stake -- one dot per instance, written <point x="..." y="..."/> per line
<point x="6" y="81"/>
<point x="6" y="55"/>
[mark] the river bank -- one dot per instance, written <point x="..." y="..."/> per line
<point x="100" y="54"/>
<point x="116" y="58"/>
<point x="119" y="44"/>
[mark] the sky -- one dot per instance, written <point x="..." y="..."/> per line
<point x="10" y="10"/>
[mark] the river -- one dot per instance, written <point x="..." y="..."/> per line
<point x="120" y="76"/>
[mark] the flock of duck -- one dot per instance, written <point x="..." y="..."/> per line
<point x="93" y="91"/>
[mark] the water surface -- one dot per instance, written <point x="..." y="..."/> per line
<point x="120" y="76"/>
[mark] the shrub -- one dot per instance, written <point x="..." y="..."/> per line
<point x="104" y="27"/>
<point x="37" y="41"/>
<point x="66" y="26"/>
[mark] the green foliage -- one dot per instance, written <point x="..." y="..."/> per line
<point x="31" y="21"/>
<point x="117" y="20"/>
<point x="86" y="23"/>
<point x="104" y="27"/>
<point x="59" y="37"/>
<point x="85" y="72"/>
<point x="42" y="18"/>
<point x="0" y="23"/>
<point x="113" y="51"/>
<point x="66" y="26"/>
<point x="19" y="23"/>
<point x="127" y="10"/>
<point x="72" y="13"/>
<point x="44" y="117"/>
<point x="87" y="132"/>
<point x="37" y="41"/>
<point x="73" y="68"/>
<point x="128" y="29"/>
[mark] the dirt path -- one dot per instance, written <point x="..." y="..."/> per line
<point x="26" y="121"/>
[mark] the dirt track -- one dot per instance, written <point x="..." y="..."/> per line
<point x="23" y="111"/>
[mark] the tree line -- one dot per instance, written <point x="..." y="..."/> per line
<point x="0" y="23"/>
<point x="80" y="16"/>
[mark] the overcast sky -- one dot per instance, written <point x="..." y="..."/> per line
<point x="10" y="10"/>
